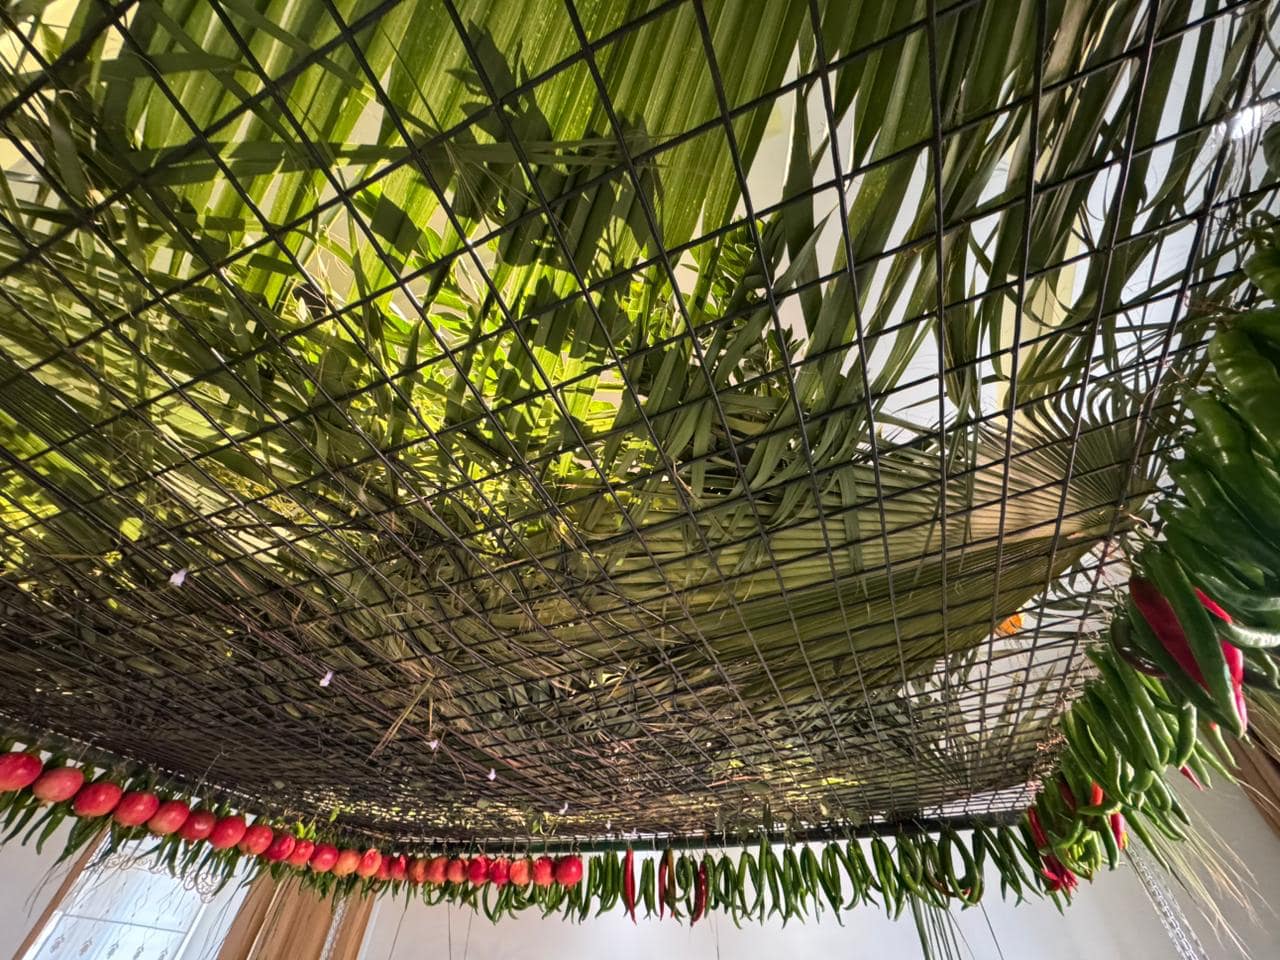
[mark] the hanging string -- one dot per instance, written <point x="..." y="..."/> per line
<point x="1174" y="921"/>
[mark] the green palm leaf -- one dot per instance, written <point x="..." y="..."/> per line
<point x="511" y="414"/>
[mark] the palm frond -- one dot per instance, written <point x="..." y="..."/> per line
<point x="482" y="354"/>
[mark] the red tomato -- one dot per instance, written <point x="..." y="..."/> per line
<point x="544" y="870"/>
<point x="500" y="872"/>
<point x="437" y="869"/>
<point x="18" y="770"/>
<point x="58" y="784"/>
<point x="281" y="847"/>
<point x="346" y="863"/>
<point x="568" y="871"/>
<point x="256" y="839"/>
<point x="198" y="826"/>
<point x="169" y="818"/>
<point x="227" y="832"/>
<point x="369" y="863"/>
<point x="97" y="799"/>
<point x="456" y="871"/>
<point x="418" y="870"/>
<point x="135" y="808"/>
<point x="324" y="858"/>
<point x="302" y="851"/>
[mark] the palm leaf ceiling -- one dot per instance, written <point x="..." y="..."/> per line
<point x="476" y="418"/>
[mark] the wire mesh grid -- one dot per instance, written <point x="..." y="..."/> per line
<point x="490" y="420"/>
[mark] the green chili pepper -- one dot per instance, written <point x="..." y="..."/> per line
<point x="1250" y="379"/>
<point x="890" y="882"/>
<point x="968" y="886"/>
<point x="860" y="874"/>
<point x="810" y="870"/>
<point x="687" y="877"/>
<point x="1198" y="629"/>
<point x="1010" y="876"/>
<point x="1263" y="268"/>
<point x="1187" y="690"/>
<point x="726" y="888"/>
<point x="910" y="865"/>
<point x="934" y="882"/>
<point x="711" y="873"/>
<point x="749" y="869"/>
<point x="857" y="888"/>
<point x="646" y="886"/>
<point x="793" y="889"/>
<point x="1130" y="705"/>
<point x="829" y="874"/>
<point x="1218" y="430"/>
<point x="772" y="873"/>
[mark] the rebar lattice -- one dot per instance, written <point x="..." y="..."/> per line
<point x="497" y="418"/>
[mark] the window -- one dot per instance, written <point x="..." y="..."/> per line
<point x="124" y="908"/>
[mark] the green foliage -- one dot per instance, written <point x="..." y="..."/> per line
<point x="286" y="308"/>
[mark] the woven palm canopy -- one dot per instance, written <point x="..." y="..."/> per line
<point x="490" y="419"/>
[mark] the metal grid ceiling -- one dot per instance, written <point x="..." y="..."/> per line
<point x="488" y="419"/>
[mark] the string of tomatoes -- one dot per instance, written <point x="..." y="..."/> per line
<point x="37" y="797"/>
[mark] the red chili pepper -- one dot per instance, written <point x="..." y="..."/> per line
<point x="1209" y="604"/>
<point x="1096" y="796"/>
<point x="1235" y="665"/>
<point x="1037" y="831"/>
<point x="1164" y="622"/>
<point x="700" y="897"/>
<point x="1068" y="798"/>
<point x="1059" y="877"/>
<point x="1118" y="830"/>
<point x="662" y="886"/>
<point x="1191" y="775"/>
<point x="1158" y="613"/>
<point x="629" y="883"/>
<point x="1053" y="870"/>
<point x="1232" y="654"/>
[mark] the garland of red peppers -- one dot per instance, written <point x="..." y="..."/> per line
<point x="1200" y="622"/>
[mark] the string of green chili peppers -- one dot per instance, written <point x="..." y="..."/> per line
<point x="1201" y="621"/>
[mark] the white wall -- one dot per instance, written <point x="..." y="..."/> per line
<point x="1110" y="918"/>
<point x="28" y="881"/>
<point x="1095" y="929"/>
<point x="1243" y="834"/>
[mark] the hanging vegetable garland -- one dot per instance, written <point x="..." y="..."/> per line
<point x="1200" y="624"/>
<point x="762" y="881"/>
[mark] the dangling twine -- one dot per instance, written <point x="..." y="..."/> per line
<point x="339" y="911"/>
<point x="399" y="721"/>
<point x="1174" y="921"/>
